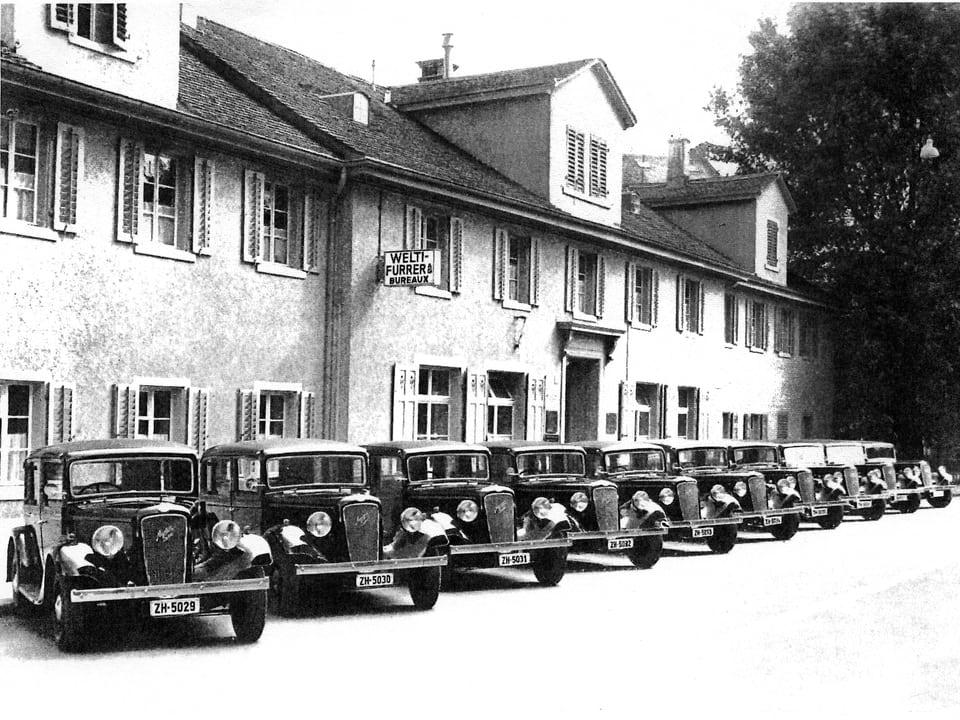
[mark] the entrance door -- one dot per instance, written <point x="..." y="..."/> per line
<point x="582" y="399"/>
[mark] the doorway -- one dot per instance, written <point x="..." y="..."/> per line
<point x="582" y="399"/>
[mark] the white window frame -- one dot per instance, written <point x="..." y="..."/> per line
<point x="11" y="206"/>
<point x="146" y="412"/>
<point x="494" y="402"/>
<point x="151" y="218"/>
<point x="429" y="400"/>
<point x="65" y="17"/>
<point x="731" y="319"/>
<point x="689" y="412"/>
<point x="642" y="296"/>
<point x="5" y="450"/>
<point x="758" y="326"/>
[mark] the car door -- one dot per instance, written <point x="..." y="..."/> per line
<point x="50" y="505"/>
<point x="246" y="492"/>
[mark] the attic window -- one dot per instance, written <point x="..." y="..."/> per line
<point x="94" y="25"/>
<point x="361" y="109"/>
<point x="353" y="105"/>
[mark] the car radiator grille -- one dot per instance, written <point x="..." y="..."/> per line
<point x="890" y="476"/>
<point x="605" y="502"/>
<point x="806" y="487"/>
<point x="851" y="478"/>
<point x="361" y="525"/>
<point x="689" y="495"/>
<point x="926" y="473"/>
<point x="164" y="548"/>
<point x="758" y="493"/>
<point x="499" y="510"/>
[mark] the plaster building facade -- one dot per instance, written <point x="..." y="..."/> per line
<point x="193" y="231"/>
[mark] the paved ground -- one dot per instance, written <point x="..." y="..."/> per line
<point x="862" y="619"/>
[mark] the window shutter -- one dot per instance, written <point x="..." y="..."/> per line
<point x="681" y="315"/>
<point x="700" y="299"/>
<point x="475" y="418"/>
<point x="202" y="204"/>
<point x="535" y="426"/>
<point x="655" y="297"/>
<point x="120" y="34"/>
<point x="699" y="429"/>
<point x="316" y="223"/>
<point x="734" y="426"/>
<point x="500" y="241"/>
<point x="63" y="17"/>
<point x="456" y="254"/>
<point x="573" y="260"/>
<point x="412" y="228"/>
<point x="748" y="321"/>
<point x="534" y="271"/>
<point x="248" y="411"/>
<point x="253" y="186"/>
<point x="125" y="410"/>
<point x="68" y="176"/>
<point x="601" y="284"/>
<point x="60" y="415"/>
<point x="128" y="196"/>
<point x="630" y="280"/>
<point x="575" y="159"/>
<point x="198" y="417"/>
<point x="404" y="425"/>
<point x="628" y="410"/>
<point x="308" y="414"/>
<point x="663" y="412"/>
<point x="766" y="328"/>
<point x="764" y="427"/>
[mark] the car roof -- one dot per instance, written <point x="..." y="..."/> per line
<point x="684" y="444"/>
<point x="618" y="445"/>
<point x="433" y="446"/>
<point x="750" y="443"/>
<point x="532" y="446"/>
<point x="282" y="446"/>
<point x="111" y="447"/>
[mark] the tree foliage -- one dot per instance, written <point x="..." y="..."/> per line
<point x="841" y="104"/>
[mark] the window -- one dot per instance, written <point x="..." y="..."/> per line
<point x="275" y="410"/>
<point x="646" y="397"/>
<point x="598" y="167"/>
<point x="18" y="169"/>
<point x="754" y="427"/>
<point x="428" y="403"/>
<point x="154" y="414"/>
<point x="586" y="301"/>
<point x="276" y="223"/>
<point x="687" y="412"/>
<point x="575" y="160"/>
<point x="92" y="24"/>
<point x="806" y="423"/>
<point x="586" y="175"/>
<point x="689" y="305"/>
<point x="586" y="283"/>
<point x="427" y="230"/>
<point x="160" y="409"/>
<point x="501" y="407"/>
<point x="784" y="331"/>
<point x="756" y="325"/>
<point x="272" y="415"/>
<point x="731" y="426"/>
<point x="783" y="426"/>
<point x="16" y="412"/>
<point x="809" y="336"/>
<point x="160" y="183"/>
<point x="642" y="295"/>
<point x="516" y="269"/>
<point x="731" y="319"/>
<point x="433" y="404"/>
<point x="773" y="234"/>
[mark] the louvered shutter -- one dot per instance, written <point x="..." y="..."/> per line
<point x="68" y="176"/>
<point x="295" y="230"/>
<point x="308" y="414"/>
<point x="655" y="297"/>
<point x="749" y="336"/>
<point x="198" y="417"/>
<point x="63" y="16"/>
<point x="630" y="304"/>
<point x="573" y="261"/>
<point x="456" y="254"/>
<point x="125" y="410"/>
<point x="129" y="198"/>
<point x="628" y="411"/>
<point x="535" y="426"/>
<point x="120" y="33"/>
<point x="700" y="301"/>
<point x="746" y="426"/>
<point x="248" y="412"/>
<point x="735" y="426"/>
<point x="681" y="310"/>
<point x="575" y="159"/>
<point x="534" y="271"/>
<point x="253" y="188"/>
<point x="404" y="425"/>
<point x="662" y="411"/>
<point x="766" y="327"/>
<point x="202" y="204"/>
<point x="500" y="242"/>
<point x="60" y="414"/>
<point x="316" y="222"/>
<point x="475" y="417"/>
<point x="699" y="427"/>
<point x="412" y="227"/>
<point x="764" y="428"/>
<point x="601" y="285"/>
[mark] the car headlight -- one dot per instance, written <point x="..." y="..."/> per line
<point x="540" y="508"/>
<point x="639" y="498"/>
<point x="787" y="484"/>
<point x="579" y="501"/>
<point x="467" y="510"/>
<point x="107" y="540"/>
<point x="411" y="519"/>
<point x="827" y="479"/>
<point x="666" y="496"/>
<point x="226" y="534"/>
<point x="717" y="491"/>
<point x="740" y="489"/>
<point x="947" y="477"/>
<point x="319" y="524"/>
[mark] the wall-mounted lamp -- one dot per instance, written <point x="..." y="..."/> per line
<point x="519" y="324"/>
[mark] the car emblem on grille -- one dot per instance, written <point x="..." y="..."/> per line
<point x="362" y="520"/>
<point x="499" y="507"/>
<point x="164" y="534"/>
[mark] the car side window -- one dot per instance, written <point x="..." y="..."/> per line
<point x="30" y="484"/>
<point x="248" y="474"/>
<point x="52" y="481"/>
<point x="218" y="477"/>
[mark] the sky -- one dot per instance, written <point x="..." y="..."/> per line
<point x="666" y="56"/>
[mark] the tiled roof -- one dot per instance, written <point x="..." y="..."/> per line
<point x="488" y="82"/>
<point x="650" y="227"/>
<point x="708" y="190"/>
<point x="294" y="85"/>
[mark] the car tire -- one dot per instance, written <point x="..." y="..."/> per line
<point x="875" y="511"/>
<point x="832" y="519"/>
<point x="424" y="586"/>
<point x="787" y="528"/>
<point x="646" y="551"/>
<point x="248" y="613"/>
<point x="21" y="606"/>
<point x="941" y="502"/>
<point x="69" y="619"/>
<point x="549" y="566"/>
<point x="723" y="539"/>
<point x="287" y="589"/>
<point x="909" y="506"/>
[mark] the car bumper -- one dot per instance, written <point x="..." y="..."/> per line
<point x="905" y="493"/>
<point x="347" y="568"/>
<point x="768" y="518"/>
<point x="940" y="491"/>
<point x="821" y="509"/>
<point x="695" y="528"/>
<point x="165" y="592"/>
<point x="510" y="547"/>
<point x="862" y="502"/>
<point x="613" y="541"/>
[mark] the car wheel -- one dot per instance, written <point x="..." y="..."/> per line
<point x="723" y="539"/>
<point x="646" y="551"/>
<point x="910" y="505"/>
<point x="787" y="528"/>
<point x="248" y="613"/>
<point x="68" y="619"/>
<point x="550" y="565"/>
<point x="424" y="586"/>
<point x="941" y="502"/>
<point x="286" y="587"/>
<point x="21" y="606"/>
<point x="875" y="511"/>
<point x="832" y="519"/>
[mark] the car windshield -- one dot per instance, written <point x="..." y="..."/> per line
<point x="802" y="455"/>
<point x="845" y="454"/>
<point x="131" y="475"/>
<point x="636" y="461"/>
<point x="550" y="463"/>
<point x="875" y="452"/>
<point x="755" y="455"/>
<point x="319" y="469"/>
<point x="448" y="467"/>
<point x="703" y="457"/>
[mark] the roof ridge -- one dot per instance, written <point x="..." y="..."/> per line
<point x="443" y="81"/>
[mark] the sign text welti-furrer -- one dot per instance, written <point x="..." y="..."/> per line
<point x="410" y="267"/>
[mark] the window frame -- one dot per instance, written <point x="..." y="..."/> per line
<point x="690" y="411"/>
<point x="691" y="299"/>
<point x="587" y="173"/>
<point x="642" y="284"/>
<point x="784" y="335"/>
<point x="731" y="319"/>
<point x="757" y="336"/>
<point x="808" y="341"/>
<point x="24" y="450"/>
<point x="527" y="276"/>
<point x="429" y="400"/>
<point x="65" y="17"/>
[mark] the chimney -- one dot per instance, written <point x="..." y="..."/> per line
<point x="675" y="161"/>
<point x="430" y="70"/>
<point x="447" y="47"/>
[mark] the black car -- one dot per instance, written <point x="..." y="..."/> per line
<point x="878" y="480"/>
<point x="915" y="478"/>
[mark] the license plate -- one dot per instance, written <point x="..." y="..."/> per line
<point x="864" y="504"/>
<point x="902" y="498"/>
<point x="937" y="493"/>
<point x="818" y="512"/>
<point x="775" y="520"/>
<point x="517" y="558"/>
<point x="620" y="544"/>
<point x="171" y="608"/>
<point x="703" y="532"/>
<point x="374" y="580"/>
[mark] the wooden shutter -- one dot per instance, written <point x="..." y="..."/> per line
<point x="60" y="414"/>
<point x="698" y="420"/>
<point x="766" y="327"/>
<point x="456" y="254"/>
<point x="662" y="411"/>
<point x="129" y="198"/>
<point x="120" y="33"/>
<point x="748" y="337"/>
<point x="628" y="410"/>
<point x="198" y="417"/>
<point x="734" y="426"/>
<point x="534" y="271"/>
<point x="202" y="204"/>
<point x="764" y="427"/>
<point x="630" y="305"/>
<point x="125" y="410"/>
<point x="404" y="425"/>
<point x="535" y="425"/>
<point x="316" y="223"/>
<point x="700" y="299"/>
<point x="475" y="414"/>
<point x="501" y="240"/>
<point x="248" y="412"/>
<point x="308" y="414"/>
<point x="253" y="187"/>
<point x="412" y="227"/>
<point x="681" y="314"/>
<point x="573" y="261"/>
<point x="601" y="285"/>
<point x="63" y="16"/>
<point x="655" y="297"/>
<point x="68" y="176"/>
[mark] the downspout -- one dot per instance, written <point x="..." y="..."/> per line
<point x="332" y="365"/>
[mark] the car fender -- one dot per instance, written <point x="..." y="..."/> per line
<point x="71" y="558"/>
<point x="407" y="545"/>
<point x="443" y="520"/>
<point x="725" y="505"/>
<point x="649" y="514"/>
<point x="256" y="550"/>
<point x="789" y="497"/>
<point x="291" y="539"/>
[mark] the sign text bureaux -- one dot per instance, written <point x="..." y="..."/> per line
<point x="409" y="267"/>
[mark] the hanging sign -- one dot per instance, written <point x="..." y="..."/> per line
<point x="409" y="268"/>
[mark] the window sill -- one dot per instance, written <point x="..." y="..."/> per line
<point x="103" y="48"/>
<point x="784" y="354"/>
<point x="772" y="268"/>
<point x="730" y="345"/>
<point x="517" y="305"/>
<point x="163" y="251"/>
<point x="757" y="350"/>
<point x="434" y="292"/>
<point x="645" y="327"/>
<point x="577" y="315"/>
<point x="603" y="202"/>
<point x="18" y="227"/>
<point x="269" y="268"/>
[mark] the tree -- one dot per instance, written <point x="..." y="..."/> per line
<point x="840" y="105"/>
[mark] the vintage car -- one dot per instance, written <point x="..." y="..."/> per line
<point x="639" y="470"/>
<point x="865" y="494"/>
<point x="915" y="478"/>
<point x="877" y="480"/>
<point x="768" y="507"/>
<point x="599" y="521"/>
<point x="450" y="483"/>
<point x="816" y="502"/>
<point x="829" y="499"/>
<point x="311" y="500"/>
<point x="115" y="524"/>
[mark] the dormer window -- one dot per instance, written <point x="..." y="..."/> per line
<point x="98" y="26"/>
<point x="586" y="164"/>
